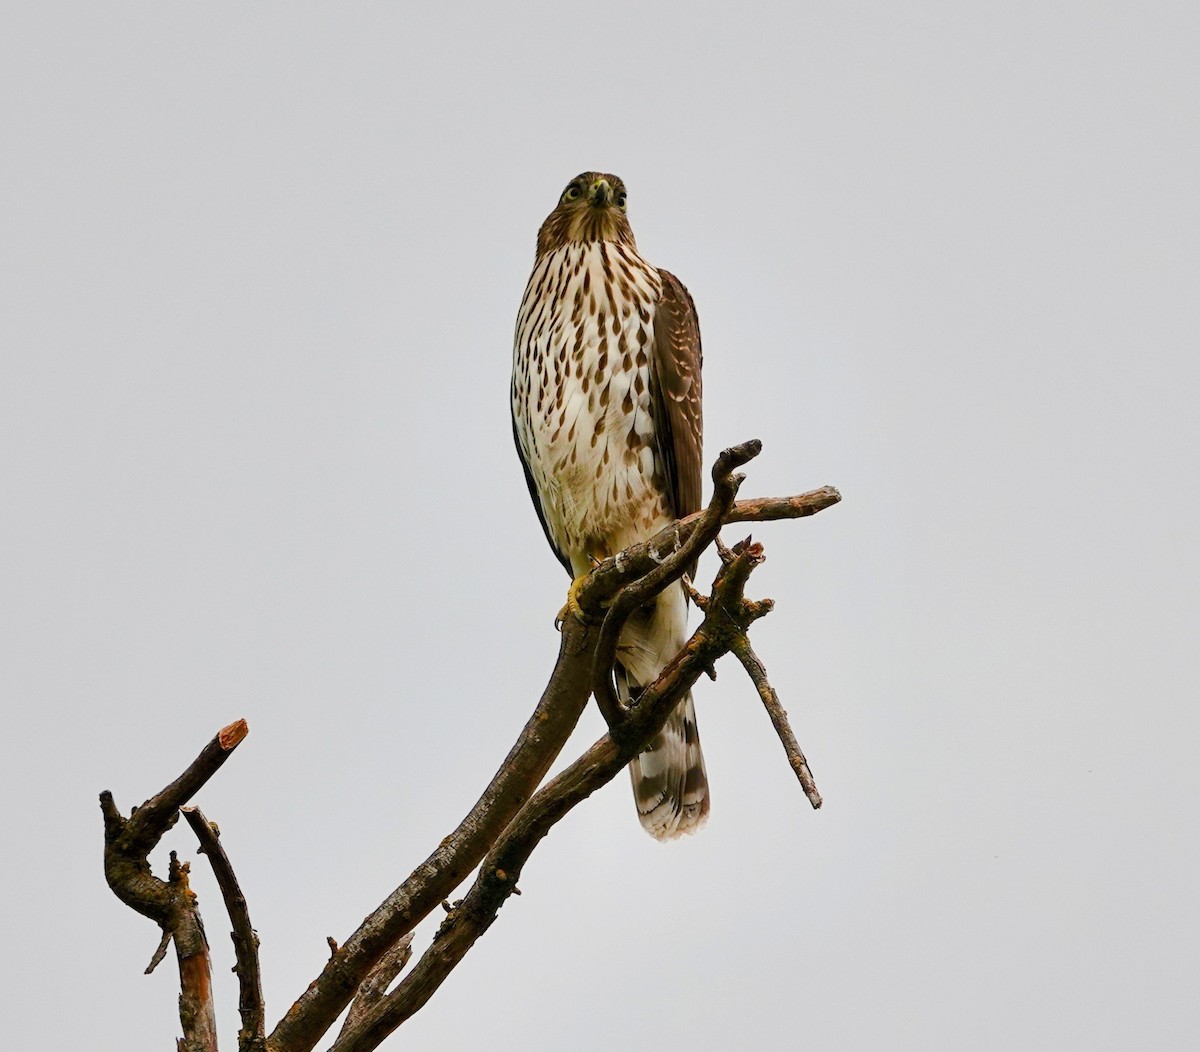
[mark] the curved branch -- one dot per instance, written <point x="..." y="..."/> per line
<point x="170" y="903"/>
<point x="252" y="1036"/>
<point x="725" y="487"/>
<point x="639" y="559"/>
<point x="540" y="742"/>
<point x="137" y="835"/>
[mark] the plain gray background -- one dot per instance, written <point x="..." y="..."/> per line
<point x="260" y="270"/>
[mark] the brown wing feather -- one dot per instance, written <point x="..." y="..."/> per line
<point x="675" y="380"/>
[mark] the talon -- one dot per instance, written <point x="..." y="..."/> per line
<point x="700" y="600"/>
<point x="571" y="606"/>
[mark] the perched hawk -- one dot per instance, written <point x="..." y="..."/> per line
<point x="606" y="416"/>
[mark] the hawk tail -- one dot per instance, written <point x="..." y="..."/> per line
<point x="670" y="785"/>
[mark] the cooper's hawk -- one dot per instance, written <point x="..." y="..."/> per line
<point x="606" y="415"/>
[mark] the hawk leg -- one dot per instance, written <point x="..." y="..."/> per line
<point x="571" y="606"/>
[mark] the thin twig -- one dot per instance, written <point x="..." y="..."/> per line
<point x="160" y="952"/>
<point x="252" y="1035"/>
<point x="754" y="667"/>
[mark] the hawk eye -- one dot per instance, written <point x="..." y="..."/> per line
<point x="572" y="193"/>
<point x="620" y="199"/>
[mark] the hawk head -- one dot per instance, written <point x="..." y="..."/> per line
<point x="591" y="208"/>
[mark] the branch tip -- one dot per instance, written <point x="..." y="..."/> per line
<point x="735" y="457"/>
<point x="114" y="821"/>
<point x="232" y="736"/>
<point x="779" y="720"/>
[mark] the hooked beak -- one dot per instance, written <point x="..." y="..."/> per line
<point x="600" y="195"/>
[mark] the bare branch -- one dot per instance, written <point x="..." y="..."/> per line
<point x="147" y="823"/>
<point x="196" y="1012"/>
<point x="497" y="878"/>
<point x="160" y="953"/>
<point x="252" y="1035"/>
<point x="129" y="841"/>
<point x="170" y="903"/>
<point x="758" y="674"/>
<point x="375" y="985"/>
<point x="456" y="856"/>
<point x="772" y="509"/>
<point x="639" y="559"/>
<point x="725" y="487"/>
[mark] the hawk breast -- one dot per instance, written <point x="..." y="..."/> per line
<point x="583" y="406"/>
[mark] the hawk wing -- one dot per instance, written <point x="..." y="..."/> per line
<point x="537" y="501"/>
<point x="675" y="383"/>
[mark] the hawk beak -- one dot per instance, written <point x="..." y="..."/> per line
<point x="601" y="195"/>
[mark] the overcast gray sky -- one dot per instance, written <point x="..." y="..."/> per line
<point x="260" y="270"/>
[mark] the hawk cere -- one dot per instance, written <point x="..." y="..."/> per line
<point x="607" y="420"/>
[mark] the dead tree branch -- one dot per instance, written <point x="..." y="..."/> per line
<point x="648" y="585"/>
<point x="773" y="509"/>
<point x="456" y="856"/>
<point x="375" y="986"/>
<point x="757" y="672"/>
<point x="170" y="903"/>
<point x="640" y="559"/>
<point x="252" y="1035"/>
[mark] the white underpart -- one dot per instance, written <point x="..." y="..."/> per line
<point x="589" y="511"/>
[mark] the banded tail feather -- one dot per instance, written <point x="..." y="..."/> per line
<point x="670" y="785"/>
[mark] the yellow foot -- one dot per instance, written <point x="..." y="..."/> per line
<point x="572" y="604"/>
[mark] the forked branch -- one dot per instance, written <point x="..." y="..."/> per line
<point x="671" y="568"/>
<point x="170" y="903"/>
